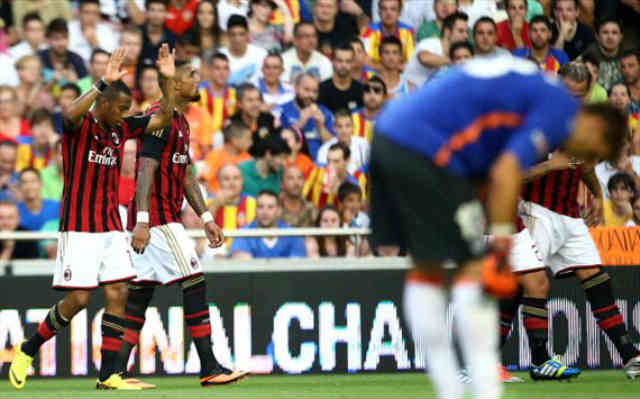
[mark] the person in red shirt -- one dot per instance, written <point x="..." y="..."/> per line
<point x="181" y="15"/>
<point x="514" y="32"/>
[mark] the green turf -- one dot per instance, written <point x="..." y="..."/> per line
<point x="591" y="384"/>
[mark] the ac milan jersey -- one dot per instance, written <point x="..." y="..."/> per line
<point x="556" y="191"/>
<point x="167" y="191"/>
<point x="91" y="168"/>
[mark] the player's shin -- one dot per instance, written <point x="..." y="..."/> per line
<point x="137" y="302"/>
<point x="112" y="330"/>
<point x="508" y="309"/>
<point x="50" y="326"/>
<point x="425" y="306"/>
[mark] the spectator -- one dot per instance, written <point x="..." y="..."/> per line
<point x="154" y="31"/>
<point x="267" y="217"/>
<point x="228" y="8"/>
<point x="609" y="39"/>
<point x="52" y="178"/>
<point x="329" y="246"/>
<point x="433" y="27"/>
<point x="131" y="40"/>
<point x="485" y="38"/>
<point x="303" y="56"/>
<point x="61" y="65"/>
<point x="150" y="92"/>
<point x="547" y="58"/>
<point x="275" y="92"/>
<point x="321" y="187"/>
<point x="237" y="141"/>
<point x="360" y="71"/>
<point x="350" y="205"/>
<point x="635" y="204"/>
<point x="569" y="34"/>
<point x="217" y="99"/>
<point x="188" y="49"/>
<point x="264" y="172"/>
<point x="359" y="9"/>
<point x="180" y="16"/>
<point x="627" y="163"/>
<point x="250" y="114"/>
<point x="299" y="156"/>
<point x="32" y="92"/>
<point x="8" y="177"/>
<point x="207" y="28"/>
<point x="38" y="153"/>
<point x="97" y="69"/>
<point x="262" y="32"/>
<point x="296" y="211"/>
<point x="620" y="97"/>
<point x="341" y="91"/>
<point x="460" y="52"/>
<point x="391" y="66"/>
<point x="333" y="26"/>
<point x="433" y="53"/>
<point x="364" y="119"/>
<point x="33" y="33"/>
<point x="48" y="11"/>
<point x="591" y="58"/>
<point x="476" y="9"/>
<point x="514" y="32"/>
<point x="413" y="12"/>
<point x="12" y="125"/>
<point x="630" y="69"/>
<point x="34" y="211"/>
<point x="389" y="26"/>
<point x="577" y="79"/>
<point x="10" y="222"/>
<point x="314" y="120"/>
<point x="358" y="146"/>
<point x="244" y="58"/>
<point x="231" y="208"/>
<point x="68" y="93"/>
<point x="87" y="33"/>
<point x="617" y="210"/>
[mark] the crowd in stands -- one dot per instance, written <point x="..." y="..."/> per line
<point x="290" y="92"/>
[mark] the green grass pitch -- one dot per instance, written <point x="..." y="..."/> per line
<point x="591" y="384"/>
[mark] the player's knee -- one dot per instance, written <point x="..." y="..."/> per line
<point x="584" y="274"/>
<point x="77" y="300"/>
<point x="116" y="294"/>
<point x="535" y="285"/>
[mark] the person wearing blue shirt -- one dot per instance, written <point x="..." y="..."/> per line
<point x="480" y="126"/>
<point x="34" y="211"/>
<point x="549" y="58"/>
<point x="267" y="211"/>
<point x="314" y="120"/>
<point x="8" y="176"/>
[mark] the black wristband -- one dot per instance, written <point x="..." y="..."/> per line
<point x="100" y="85"/>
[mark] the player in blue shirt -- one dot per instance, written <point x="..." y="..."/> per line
<point x="485" y="121"/>
<point x="268" y="209"/>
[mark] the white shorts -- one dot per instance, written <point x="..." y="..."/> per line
<point x="524" y="256"/>
<point x="564" y="242"/>
<point x="170" y="256"/>
<point x="87" y="260"/>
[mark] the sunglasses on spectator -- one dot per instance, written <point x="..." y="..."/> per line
<point x="375" y="89"/>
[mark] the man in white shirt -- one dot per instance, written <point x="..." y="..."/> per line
<point x="359" y="146"/>
<point x="227" y="8"/>
<point x="244" y="58"/>
<point x="485" y="38"/>
<point x="274" y="92"/>
<point x="87" y="33"/>
<point x="303" y="56"/>
<point x="414" y="12"/>
<point x="34" y="40"/>
<point x="433" y="53"/>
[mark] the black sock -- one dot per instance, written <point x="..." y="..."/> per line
<point x="196" y="314"/>
<point x="52" y="324"/>
<point x="600" y="295"/>
<point x="137" y="302"/>
<point x="536" y="322"/>
<point x="508" y="309"/>
<point x="112" y="330"/>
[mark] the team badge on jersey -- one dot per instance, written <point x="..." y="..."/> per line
<point x="194" y="263"/>
<point x="115" y="138"/>
<point x="67" y="274"/>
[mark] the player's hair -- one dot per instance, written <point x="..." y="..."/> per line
<point x="57" y="25"/>
<point x="458" y="45"/>
<point x="26" y="58"/>
<point x="607" y="20"/>
<point x="73" y="87"/>
<point x="576" y="71"/>
<point x="347" y="188"/>
<point x="389" y="41"/>
<point x="378" y="79"/>
<point x="97" y="52"/>
<point x="29" y="169"/>
<point x="346" y="152"/>
<point x="269" y="193"/>
<point x="624" y="179"/>
<point x="631" y="53"/>
<point x="31" y="16"/>
<point x="541" y="19"/>
<point x="237" y="20"/>
<point x="483" y="20"/>
<point x="451" y="20"/>
<point x="219" y="57"/>
<point x="341" y="113"/>
<point x="300" y="24"/>
<point x="114" y="90"/>
<point x="41" y="115"/>
<point x="244" y="88"/>
<point x="619" y="84"/>
<point x="147" y="3"/>
<point x="615" y="123"/>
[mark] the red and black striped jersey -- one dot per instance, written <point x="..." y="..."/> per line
<point x="556" y="191"/>
<point x="91" y="169"/>
<point x="172" y="154"/>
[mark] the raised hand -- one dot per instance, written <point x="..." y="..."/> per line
<point x="166" y="62"/>
<point x="113" y="72"/>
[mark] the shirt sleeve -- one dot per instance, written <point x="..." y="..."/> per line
<point x="134" y="126"/>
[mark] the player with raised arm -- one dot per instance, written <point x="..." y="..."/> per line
<point x="484" y="122"/>
<point x="92" y="247"/>
<point x="164" y="252"/>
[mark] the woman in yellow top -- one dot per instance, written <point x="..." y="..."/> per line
<point x="617" y="209"/>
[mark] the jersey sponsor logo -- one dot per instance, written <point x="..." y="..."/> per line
<point x="180" y="158"/>
<point x="106" y="158"/>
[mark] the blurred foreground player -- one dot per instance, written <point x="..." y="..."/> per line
<point x="92" y="248"/>
<point x="486" y="121"/>
<point x="164" y="252"/>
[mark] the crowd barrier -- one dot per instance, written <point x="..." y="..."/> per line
<point x="293" y="316"/>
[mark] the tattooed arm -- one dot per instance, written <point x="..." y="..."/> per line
<point x="194" y="197"/>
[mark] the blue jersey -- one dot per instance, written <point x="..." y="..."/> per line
<point x="467" y="118"/>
